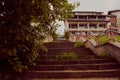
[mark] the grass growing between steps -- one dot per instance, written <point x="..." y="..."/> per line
<point x="67" y="56"/>
<point x="79" y="44"/>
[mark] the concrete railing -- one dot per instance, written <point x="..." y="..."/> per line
<point x="75" y="38"/>
<point x="112" y="48"/>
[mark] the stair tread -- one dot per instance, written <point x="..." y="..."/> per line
<point x="82" y="79"/>
<point x="81" y="64"/>
<point x="87" y="66"/>
<point x="77" y="71"/>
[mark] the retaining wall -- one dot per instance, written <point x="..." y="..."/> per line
<point x="112" y="48"/>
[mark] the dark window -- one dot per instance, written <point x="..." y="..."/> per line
<point x="113" y="24"/>
<point x="72" y="25"/>
<point x="101" y="17"/>
<point x="82" y="17"/>
<point x="91" y="17"/>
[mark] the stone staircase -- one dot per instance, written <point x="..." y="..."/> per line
<point x="87" y="66"/>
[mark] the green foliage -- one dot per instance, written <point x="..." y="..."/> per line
<point x="67" y="56"/>
<point x="54" y="35"/>
<point x="117" y="38"/>
<point x="79" y="44"/>
<point x="67" y="34"/>
<point x="23" y="25"/>
<point x="103" y="39"/>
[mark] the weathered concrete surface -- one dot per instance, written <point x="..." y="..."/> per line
<point x="83" y="79"/>
<point x="112" y="48"/>
<point x="98" y="50"/>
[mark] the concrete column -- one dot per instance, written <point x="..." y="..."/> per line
<point x="78" y="25"/>
<point x="87" y="17"/>
<point x="88" y="27"/>
<point x="97" y="27"/>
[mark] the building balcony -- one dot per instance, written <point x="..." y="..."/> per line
<point x="97" y="29"/>
<point x="87" y="29"/>
<point x="102" y="29"/>
<point x="88" y="20"/>
<point x="73" y="29"/>
<point x="79" y="29"/>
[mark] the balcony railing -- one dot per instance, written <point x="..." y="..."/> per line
<point x="105" y="19"/>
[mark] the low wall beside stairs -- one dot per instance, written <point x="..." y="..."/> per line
<point x="112" y="48"/>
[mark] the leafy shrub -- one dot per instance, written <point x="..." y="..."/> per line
<point x="67" y="34"/>
<point x="117" y="38"/>
<point x="54" y="35"/>
<point x="103" y="40"/>
<point x="67" y="56"/>
<point x="78" y="44"/>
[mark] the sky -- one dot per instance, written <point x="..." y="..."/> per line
<point x="93" y="5"/>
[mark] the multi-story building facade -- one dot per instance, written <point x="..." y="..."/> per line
<point x="117" y="14"/>
<point x="87" y="21"/>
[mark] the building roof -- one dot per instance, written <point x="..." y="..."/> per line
<point x="109" y="12"/>
<point x="87" y="12"/>
<point x="75" y="20"/>
<point x="99" y="15"/>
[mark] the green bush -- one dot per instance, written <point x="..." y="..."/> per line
<point x="67" y="56"/>
<point x="117" y="38"/>
<point x="54" y="36"/>
<point x="78" y="44"/>
<point x="103" y="40"/>
<point x="67" y="34"/>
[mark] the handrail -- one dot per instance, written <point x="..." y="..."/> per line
<point x="107" y="31"/>
<point x="111" y="32"/>
<point x="116" y="30"/>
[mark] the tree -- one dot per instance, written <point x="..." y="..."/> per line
<point x="23" y="23"/>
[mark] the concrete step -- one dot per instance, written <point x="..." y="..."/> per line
<point x="69" y="48"/>
<point x="59" y="50"/>
<point x="61" y="53"/>
<point x="87" y="66"/>
<point x="79" y="56"/>
<point x="82" y="79"/>
<point x="100" y="66"/>
<point x="59" y="44"/>
<point x="74" y="74"/>
<point x="80" y="61"/>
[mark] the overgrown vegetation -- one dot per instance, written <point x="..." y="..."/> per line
<point x="117" y="38"/>
<point x="103" y="39"/>
<point x="67" y="56"/>
<point x="67" y="34"/>
<point x="54" y="36"/>
<point x="23" y="25"/>
<point x="79" y="44"/>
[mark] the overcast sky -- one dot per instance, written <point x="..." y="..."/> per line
<point x="93" y="5"/>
